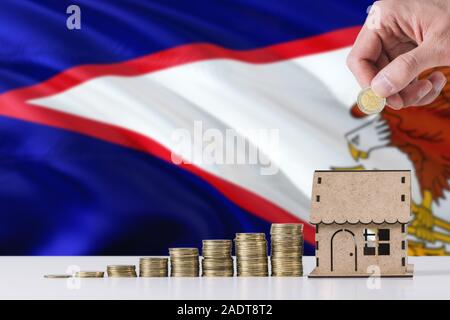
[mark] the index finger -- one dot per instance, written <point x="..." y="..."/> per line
<point x="364" y="55"/>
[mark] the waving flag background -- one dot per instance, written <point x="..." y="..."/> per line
<point x="86" y="118"/>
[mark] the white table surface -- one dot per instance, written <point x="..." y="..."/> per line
<point x="22" y="278"/>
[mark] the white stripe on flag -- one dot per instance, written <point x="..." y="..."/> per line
<point x="307" y="99"/>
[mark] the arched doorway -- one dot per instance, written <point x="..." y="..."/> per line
<point x="343" y="251"/>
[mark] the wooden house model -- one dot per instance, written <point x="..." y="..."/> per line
<point x="361" y="222"/>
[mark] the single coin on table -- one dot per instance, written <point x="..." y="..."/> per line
<point x="57" y="276"/>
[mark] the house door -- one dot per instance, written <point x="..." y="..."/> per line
<point x="343" y="251"/>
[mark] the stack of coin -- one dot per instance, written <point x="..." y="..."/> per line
<point x="217" y="260"/>
<point x="153" y="267"/>
<point x="287" y="249"/>
<point x="119" y="271"/>
<point x="184" y="262"/>
<point x="251" y="255"/>
<point x="89" y="274"/>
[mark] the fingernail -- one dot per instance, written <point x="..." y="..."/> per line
<point x="424" y="91"/>
<point x="382" y="86"/>
<point x="442" y="85"/>
<point x="394" y="107"/>
<point x="395" y="102"/>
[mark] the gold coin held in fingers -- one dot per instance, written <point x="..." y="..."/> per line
<point x="369" y="102"/>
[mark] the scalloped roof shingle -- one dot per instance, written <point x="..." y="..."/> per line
<point x="361" y="197"/>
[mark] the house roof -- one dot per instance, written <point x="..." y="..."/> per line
<point x="361" y="197"/>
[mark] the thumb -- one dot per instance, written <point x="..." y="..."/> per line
<point x="400" y="72"/>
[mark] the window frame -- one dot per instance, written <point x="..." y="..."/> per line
<point x="372" y="242"/>
<point x="370" y="245"/>
<point x="384" y="242"/>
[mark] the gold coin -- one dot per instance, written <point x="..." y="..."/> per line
<point x="57" y="276"/>
<point x="286" y="249"/>
<point x="117" y="271"/>
<point x="250" y="236"/>
<point x="121" y="267"/>
<point x="153" y="260"/>
<point x="153" y="267"/>
<point x="217" y="260"/>
<point x="90" y="274"/>
<point x="251" y="255"/>
<point x="184" y="262"/>
<point x="369" y="103"/>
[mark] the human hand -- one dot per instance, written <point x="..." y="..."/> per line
<point x="410" y="36"/>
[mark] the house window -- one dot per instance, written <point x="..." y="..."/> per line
<point x="318" y="198"/>
<point x="384" y="247"/>
<point x="377" y="239"/>
<point x="383" y="234"/>
<point x="370" y="235"/>
<point x="369" y="249"/>
<point x="403" y="179"/>
<point x="319" y="180"/>
<point x="370" y="238"/>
